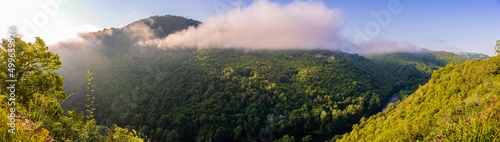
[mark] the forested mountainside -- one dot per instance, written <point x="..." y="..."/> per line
<point x="227" y="94"/>
<point x="459" y="103"/>
<point x="410" y="70"/>
<point x="230" y="94"/>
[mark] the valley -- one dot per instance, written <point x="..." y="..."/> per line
<point x="141" y="91"/>
<point x="226" y="94"/>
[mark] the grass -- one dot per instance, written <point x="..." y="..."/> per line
<point x="21" y="132"/>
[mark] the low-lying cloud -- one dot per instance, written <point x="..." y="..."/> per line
<point x="386" y="46"/>
<point x="263" y="25"/>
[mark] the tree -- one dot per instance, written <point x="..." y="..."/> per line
<point x="307" y="138"/>
<point x="38" y="89"/>
<point x="90" y="104"/>
<point x="35" y="71"/>
<point x="497" y="48"/>
<point x="172" y="136"/>
<point x="286" y="138"/>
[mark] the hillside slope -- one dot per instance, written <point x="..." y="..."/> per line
<point x="410" y="70"/>
<point x="227" y="94"/>
<point x="459" y="103"/>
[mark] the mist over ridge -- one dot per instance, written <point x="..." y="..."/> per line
<point x="263" y="25"/>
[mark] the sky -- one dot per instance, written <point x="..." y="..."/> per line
<point x="449" y="25"/>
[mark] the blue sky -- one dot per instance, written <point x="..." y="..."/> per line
<point x="458" y="25"/>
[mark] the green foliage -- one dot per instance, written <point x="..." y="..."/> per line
<point x="307" y="138"/>
<point x="122" y="134"/>
<point x="22" y="131"/>
<point x="172" y="136"/>
<point x="197" y="92"/>
<point x="459" y="103"/>
<point x="90" y="109"/>
<point x="73" y="128"/>
<point x="410" y="70"/>
<point x="38" y="92"/>
<point x="285" y="138"/>
<point x="38" y="85"/>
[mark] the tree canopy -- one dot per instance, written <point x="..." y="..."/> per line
<point x="459" y="103"/>
<point x="39" y="91"/>
<point x="35" y="71"/>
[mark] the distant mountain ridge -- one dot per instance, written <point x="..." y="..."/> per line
<point x="413" y="69"/>
<point x="167" y="24"/>
<point x="473" y="56"/>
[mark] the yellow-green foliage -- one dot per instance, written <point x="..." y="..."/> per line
<point x="21" y="133"/>
<point x="459" y="103"/>
<point x="285" y="138"/>
<point x="122" y="134"/>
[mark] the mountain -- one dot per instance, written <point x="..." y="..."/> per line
<point x="165" y="25"/>
<point x="473" y="56"/>
<point x="459" y="103"/>
<point x="231" y="94"/>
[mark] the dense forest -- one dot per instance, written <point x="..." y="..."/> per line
<point x="459" y="103"/>
<point x="230" y="94"/>
<point x="410" y="70"/>
<point x="227" y="94"/>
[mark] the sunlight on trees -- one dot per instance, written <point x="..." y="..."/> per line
<point x="497" y="48"/>
<point x="459" y="103"/>
<point x="39" y="89"/>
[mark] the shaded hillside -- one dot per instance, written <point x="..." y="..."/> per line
<point x="459" y="103"/>
<point x="413" y="69"/>
<point x="227" y="94"/>
<point x="100" y="48"/>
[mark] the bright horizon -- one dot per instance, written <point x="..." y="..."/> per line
<point x="456" y="26"/>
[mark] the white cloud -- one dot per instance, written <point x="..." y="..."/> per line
<point x="263" y="25"/>
<point x="384" y="46"/>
